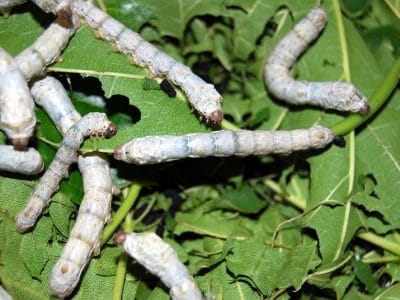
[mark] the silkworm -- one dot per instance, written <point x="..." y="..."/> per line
<point x="84" y="239"/>
<point x="93" y="124"/>
<point x="160" y="259"/>
<point x="203" y="96"/>
<point x="45" y="50"/>
<point x="157" y="149"/>
<point x="27" y="162"/>
<point x="6" y="5"/>
<point x="342" y="96"/>
<point x="57" y="7"/>
<point x="17" y="117"/>
<point x="167" y="88"/>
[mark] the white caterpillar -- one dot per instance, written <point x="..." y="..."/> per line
<point x="156" y="149"/>
<point x="203" y="96"/>
<point x="160" y="259"/>
<point x="57" y="7"/>
<point x="46" y="49"/>
<point x="342" y="96"/>
<point x="93" y="124"/>
<point x="6" y="5"/>
<point x="17" y="117"/>
<point x="27" y="162"/>
<point x="94" y="211"/>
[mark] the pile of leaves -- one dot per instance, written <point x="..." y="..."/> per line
<point x="311" y="224"/>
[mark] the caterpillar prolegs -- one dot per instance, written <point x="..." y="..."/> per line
<point x="203" y="96"/>
<point x="159" y="258"/>
<point x="17" y="117"/>
<point x="156" y="149"/>
<point x="342" y="96"/>
<point x="93" y="124"/>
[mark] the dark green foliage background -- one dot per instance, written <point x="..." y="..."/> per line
<point x="225" y="216"/>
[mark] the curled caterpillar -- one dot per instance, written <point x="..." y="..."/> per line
<point x="159" y="258"/>
<point x="27" y="162"/>
<point x="6" y="5"/>
<point x="45" y="50"/>
<point x="342" y="96"/>
<point x="203" y="96"/>
<point x="84" y="239"/>
<point x="17" y="117"/>
<point x="93" y="124"/>
<point x="157" y="149"/>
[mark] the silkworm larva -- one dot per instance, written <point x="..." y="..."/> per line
<point x="6" y="5"/>
<point x="57" y="7"/>
<point x="203" y="96"/>
<point x="84" y="239"/>
<point x="157" y="149"/>
<point x="160" y="259"/>
<point x="27" y="162"/>
<point x="93" y="124"/>
<point x="45" y="50"/>
<point x="342" y="96"/>
<point x="17" y="117"/>
<point x="51" y="95"/>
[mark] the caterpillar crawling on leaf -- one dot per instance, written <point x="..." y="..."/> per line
<point x="342" y="96"/>
<point x="157" y="149"/>
<point x="203" y="96"/>
<point x="27" y="162"/>
<point x="159" y="258"/>
<point x="17" y="116"/>
<point x="93" y="124"/>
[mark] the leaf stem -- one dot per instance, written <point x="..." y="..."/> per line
<point x="380" y="242"/>
<point x="122" y="211"/>
<point x="225" y="124"/>
<point x="376" y="101"/>
<point x="381" y="260"/>
<point x="295" y="201"/>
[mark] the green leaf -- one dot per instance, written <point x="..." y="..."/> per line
<point x="244" y="200"/>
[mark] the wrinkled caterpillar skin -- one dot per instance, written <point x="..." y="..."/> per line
<point x="6" y="5"/>
<point x="52" y="6"/>
<point x="45" y="50"/>
<point x="27" y="162"/>
<point x="160" y="259"/>
<point x="157" y="149"/>
<point x="203" y="96"/>
<point x="93" y="124"/>
<point x="84" y="239"/>
<point x="51" y="95"/>
<point x="342" y="96"/>
<point x="17" y="116"/>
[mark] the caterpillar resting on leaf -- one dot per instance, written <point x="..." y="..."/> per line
<point x="203" y="96"/>
<point x="45" y="50"/>
<point x="6" y="5"/>
<point x="17" y="117"/>
<point x="27" y="162"/>
<point x="156" y="149"/>
<point x="342" y="96"/>
<point x="93" y="124"/>
<point x="159" y="258"/>
<point x="94" y="211"/>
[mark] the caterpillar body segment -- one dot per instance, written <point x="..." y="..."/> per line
<point x="203" y="96"/>
<point x="17" y="116"/>
<point x="27" y="162"/>
<point x="93" y="124"/>
<point x="157" y="149"/>
<point x="85" y="236"/>
<point x="6" y="5"/>
<point x="342" y="96"/>
<point x="159" y="258"/>
<point x="46" y="49"/>
<point x="57" y="7"/>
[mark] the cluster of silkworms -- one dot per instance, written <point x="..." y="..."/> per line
<point x="17" y="120"/>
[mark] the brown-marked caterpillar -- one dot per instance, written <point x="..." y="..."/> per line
<point x="342" y="96"/>
<point x="17" y="117"/>
<point x="203" y="96"/>
<point x="161" y="259"/>
<point x="157" y="149"/>
<point x="6" y="5"/>
<point x="60" y="8"/>
<point x="45" y="50"/>
<point x="27" y="162"/>
<point x="93" y="124"/>
<point x="94" y="211"/>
